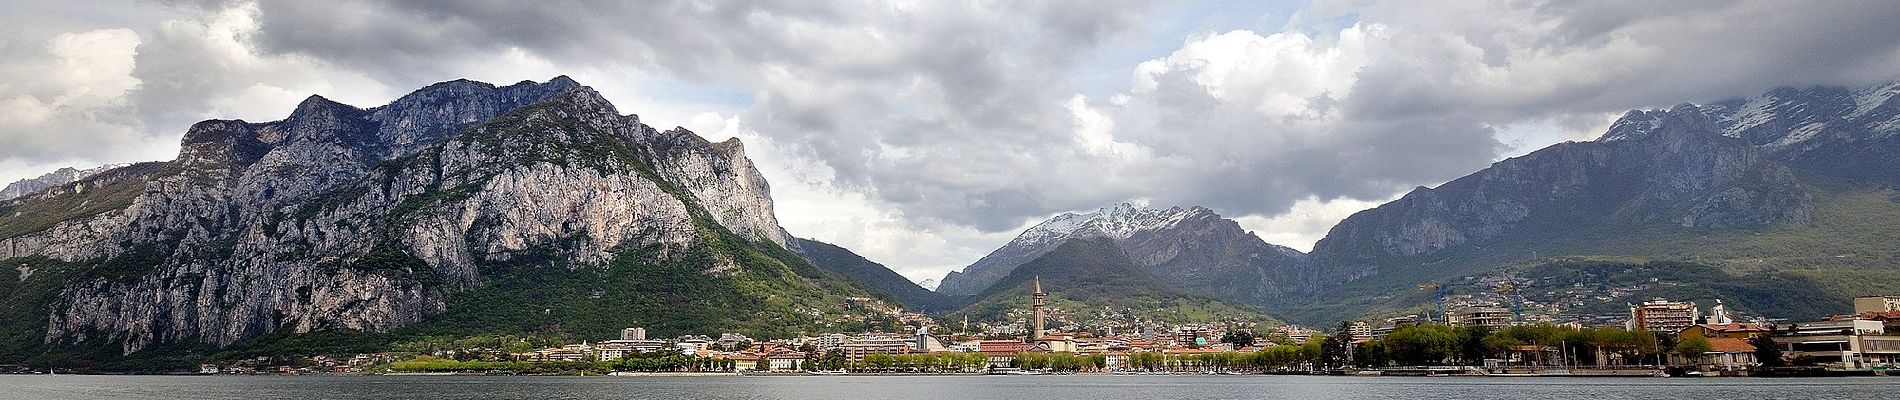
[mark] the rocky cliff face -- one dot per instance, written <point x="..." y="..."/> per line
<point x="1693" y="178"/>
<point x="1746" y="164"/>
<point x="364" y="219"/>
<point x="1191" y="248"/>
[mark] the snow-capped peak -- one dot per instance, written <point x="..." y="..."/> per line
<point x="1866" y="100"/>
<point x="928" y="284"/>
<point x="1119" y="221"/>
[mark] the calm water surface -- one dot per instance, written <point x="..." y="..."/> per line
<point x="1090" y="387"/>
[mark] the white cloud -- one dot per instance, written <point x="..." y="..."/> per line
<point x="208" y="67"/>
<point x="811" y="205"/>
<point x="66" y="97"/>
<point x="925" y="134"/>
<point x="1306" y="222"/>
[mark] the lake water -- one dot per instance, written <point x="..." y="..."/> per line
<point x="1090" y="387"/>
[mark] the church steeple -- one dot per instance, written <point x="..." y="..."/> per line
<point x="1036" y="308"/>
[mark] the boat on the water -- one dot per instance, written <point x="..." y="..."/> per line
<point x="837" y="372"/>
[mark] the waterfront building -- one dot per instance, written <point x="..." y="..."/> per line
<point x="1729" y="354"/>
<point x="856" y="348"/>
<point x="1715" y="331"/>
<point x="1115" y="361"/>
<point x="616" y="349"/>
<point x="1847" y="344"/>
<point x="1002" y="352"/>
<point x="1662" y="315"/>
<point x="565" y="353"/>
<point x="743" y="361"/>
<point x="785" y="360"/>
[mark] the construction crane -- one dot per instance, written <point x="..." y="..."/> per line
<point x="1511" y="292"/>
<point x="1438" y="292"/>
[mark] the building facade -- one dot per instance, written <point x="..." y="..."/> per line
<point x="1846" y="344"/>
<point x="1489" y="317"/>
<point x="1876" y="304"/>
<point x="1661" y="315"/>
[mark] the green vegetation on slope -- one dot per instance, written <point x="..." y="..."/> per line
<point x="34" y="213"/>
<point x="873" y="276"/>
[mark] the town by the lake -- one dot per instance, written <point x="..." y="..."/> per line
<point x="1657" y="338"/>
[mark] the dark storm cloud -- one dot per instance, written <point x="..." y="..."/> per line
<point x="1547" y="58"/>
<point x="962" y="114"/>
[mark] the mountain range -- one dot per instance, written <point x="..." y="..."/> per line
<point x="1793" y="186"/>
<point x="51" y="179"/>
<point x="470" y="208"/>
<point x="1184" y="250"/>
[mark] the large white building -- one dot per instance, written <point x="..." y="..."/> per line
<point x="1661" y="315"/>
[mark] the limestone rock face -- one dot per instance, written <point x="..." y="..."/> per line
<point x="364" y="219"/>
<point x="723" y="180"/>
<point x="1730" y="165"/>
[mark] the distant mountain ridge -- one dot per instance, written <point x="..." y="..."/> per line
<point x="59" y="177"/>
<point x="1192" y="249"/>
<point x="1085" y="275"/>
<point x="1783" y="186"/>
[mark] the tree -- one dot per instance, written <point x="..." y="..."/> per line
<point x="1336" y="350"/>
<point x="1471" y="345"/>
<point x="1423" y="344"/>
<point x="1693" y="348"/>
<point x="1767" y="352"/>
<point x="1238" y="338"/>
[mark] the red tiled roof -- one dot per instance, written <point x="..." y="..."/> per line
<point x="997" y="347"/>
<point x="1731" y="345"/>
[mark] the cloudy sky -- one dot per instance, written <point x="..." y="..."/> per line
<point x="924" y="134"/>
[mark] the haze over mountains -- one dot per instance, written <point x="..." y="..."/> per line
<point x="469" y="207"/>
